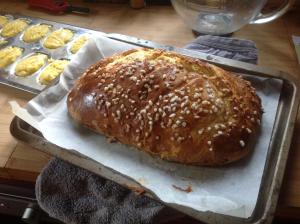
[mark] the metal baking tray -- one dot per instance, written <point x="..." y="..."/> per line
<point x="277" y="152"/>
<point x="30" y="83"/>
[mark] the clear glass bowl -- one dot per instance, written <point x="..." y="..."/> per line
<point x="219" y="17"/>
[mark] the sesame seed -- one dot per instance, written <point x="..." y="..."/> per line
<point x="242" y="143"/>
<point x="205" y="102"/>
<point x="222" y="126"/>
<point x="133" y="78"/>
<point x="183" y="104"/>
<point x="196" y="95"/>
<point x="209" y="142"/>
<point x="200" y="131"/>
<point x="249" y="130"/>
<point x="210" y="149"/>
<point x="208" y="128"/>
<point x="174" y="126"/>
<point x="157" y="137"/>
<point x="175" y="98"/>
<point x="172" y="115"/>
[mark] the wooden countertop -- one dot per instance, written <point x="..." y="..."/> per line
<point x="160" y="24"/>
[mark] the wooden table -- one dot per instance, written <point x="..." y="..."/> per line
<point x="160" y="24"/>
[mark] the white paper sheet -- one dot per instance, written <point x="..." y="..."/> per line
<point x="230" y="190"/>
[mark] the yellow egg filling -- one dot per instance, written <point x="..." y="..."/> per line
<point x="30" y="65"/>
<point x="52" y="70"/>
<point x="58" y="38"/>
<point x="8" y="55"/>
<point x="14" y="27"/>
<point x="36" y="32"/>
<point x="78" y="43"/>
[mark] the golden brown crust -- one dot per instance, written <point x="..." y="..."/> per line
<point x="178" y="108"/>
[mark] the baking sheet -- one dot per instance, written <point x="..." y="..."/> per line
<point x="230" y="190"/>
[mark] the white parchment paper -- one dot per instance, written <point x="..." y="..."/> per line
<point x="231" y="190"/>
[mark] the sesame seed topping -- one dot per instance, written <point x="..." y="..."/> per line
<point x="242" y="143"/>
<point x="209" y="142"/>
<point x="200" y="131"/>
<point x="249" y="130"/>
<point x="172" y="115"/>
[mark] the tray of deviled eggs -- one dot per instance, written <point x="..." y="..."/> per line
<point x="34" y="52"/>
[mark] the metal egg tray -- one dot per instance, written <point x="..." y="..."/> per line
<point x="31" y="83"/>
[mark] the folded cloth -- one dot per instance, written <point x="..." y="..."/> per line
<point x="236" y="49"/>
<point x="74" y="195"/>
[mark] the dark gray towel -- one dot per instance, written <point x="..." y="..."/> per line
<point x="236" y="49"/>
<point x="75" y="195"/>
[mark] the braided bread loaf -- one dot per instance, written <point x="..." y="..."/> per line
<point x="178" y="108"/>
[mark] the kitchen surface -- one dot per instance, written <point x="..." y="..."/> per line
<point x="20" y="163"/>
